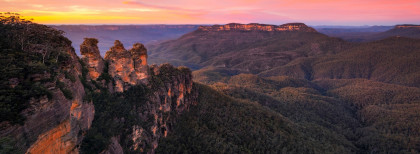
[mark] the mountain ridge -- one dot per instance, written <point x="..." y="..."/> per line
<point x="258" y="27"/>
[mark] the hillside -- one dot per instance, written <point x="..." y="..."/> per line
<point x="352" y="33"/>
<point x="410" y="31"/>
<point x="374" y="33"/>
<point x="261" y="46"/>
<point x="362" y="115"/>
<point x="298" y="53"/>
<point x="241" y="126"/>
<point x="392" y="60"/>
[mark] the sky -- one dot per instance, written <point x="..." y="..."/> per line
<point x="311" y="12"/>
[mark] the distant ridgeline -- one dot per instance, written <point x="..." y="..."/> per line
<point x="258" y="27"/>
<point x="373" y="33"/>
<point x="408" y="26"/>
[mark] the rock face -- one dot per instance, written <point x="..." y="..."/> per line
<point x="407" y="26"/>
<point x="168" y="101"/>
<point x="172" y="93"/>
<point x="58" y="124"/>
<point x="258" y="27"/>
<point x="92" y="57"/>
<point x="54" y="124"/>
<point x="127" y="67"/>
<point x="139" y="55"/>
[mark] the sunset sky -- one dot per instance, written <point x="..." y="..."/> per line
<point x="312" y="12"/>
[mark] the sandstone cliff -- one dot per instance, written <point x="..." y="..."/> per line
<point x="54" y="123"/>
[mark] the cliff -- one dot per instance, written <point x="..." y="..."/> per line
<point x="258" y="27"/>
<point x="53" y="101"/>
<point x="43" y="110"/>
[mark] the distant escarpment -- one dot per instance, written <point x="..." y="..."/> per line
<point x="407" y="26"/>
<point x="301" y="27"/>
<point x="250" y="48"/>
<point x="52" y="101"/>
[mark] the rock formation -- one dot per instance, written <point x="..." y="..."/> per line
<point x="58" y="121"/>
<point x="139" y="55"/>
<point x="258" y="27"/>
<point x="172" y="92"/>
<point x="127" y="67"/>
<point x="92" y="57"/>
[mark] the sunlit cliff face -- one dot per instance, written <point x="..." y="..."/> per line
<point x="258" y="27"/>
<point x="408" y="26"/>
<point x="127" y="67"/>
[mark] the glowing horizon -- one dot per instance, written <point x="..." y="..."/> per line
<point x="311" y="12"/>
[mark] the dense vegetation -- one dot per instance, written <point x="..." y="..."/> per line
<point x="31" y="55"/>
<point x="388" y="113"/>
<point x="367" y="116"/>
<point x="117" y="113"/>
<point x="392" y="60"/>
<point x="222" y="124"/>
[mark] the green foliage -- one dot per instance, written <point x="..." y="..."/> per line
<point x="115" y="114"/>
<point x="105" y="75"/>
<point x="70" y="76"/>
<point x="222" y="124"/>
<point x="388" y="113"/>
<point x="28" y="51"/>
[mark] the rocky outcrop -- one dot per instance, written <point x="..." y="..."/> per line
<point x="258" y="27"/>
<point x="139" y="55"/>
<point x="92" y="57"/>
<point x="127" y="67"/>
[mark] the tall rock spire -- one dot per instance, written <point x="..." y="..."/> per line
<point x="92" y="58"/>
